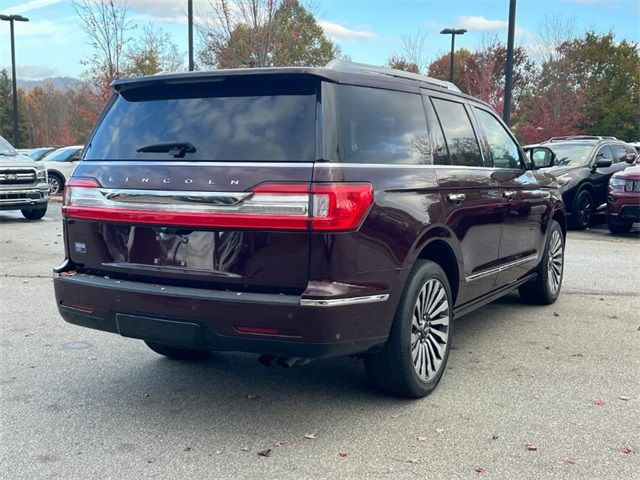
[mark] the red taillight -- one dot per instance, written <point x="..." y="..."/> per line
<point x="340" y="206"/>
<point x="295" y="206"/>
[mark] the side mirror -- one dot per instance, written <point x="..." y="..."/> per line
<point x="603" y="162"/>
<point x="541" y="157"/>
<point x="631" y="157"/>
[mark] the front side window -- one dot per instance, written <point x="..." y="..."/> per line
<point x="381" y="126"/>
<point x="605" y="154"/>
<point x="504" y="151"/>
<point x="458" y="132"/>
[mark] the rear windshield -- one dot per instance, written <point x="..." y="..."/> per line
<point x="224" y="123"/>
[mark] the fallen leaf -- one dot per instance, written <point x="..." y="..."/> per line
<point x="151" y="460"/>
<point x="569" y="461"/>
<point x="422" y="439"/>
<point x="343" y="454"/>
<point x="279" y="444"/>
<point x="70" y="273"/>
<point x="531" y="447"/>
<point x="627" y="450"/>
<point x="264" y="453"/>
<point x="599" y="402"/>
<point x="547" y="348"/>
<point x="395" y="415"/>
<point x="440" y="430"/>
<point x="495" y="437"/>
<point x="244" y="449"/>
<point x="577" y="355"/>
<point x="310" y="436"/>
<point x="30" y="334"/>
<point x="187" y="449"/>
<point x="415" y="461"/>
<point x="219" y="452"/>
<point x="625" y="398"/>
<point x="556" y="314"/>
<point x="614" y="317"/>
<point x="480" y="469"/>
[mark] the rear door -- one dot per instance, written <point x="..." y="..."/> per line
<point x="202" y="184"/>
<point x="470" y="195"/>
<point x="524" y="203"/>
<point x="600" y="176"/>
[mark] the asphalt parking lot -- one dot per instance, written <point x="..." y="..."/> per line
<point x="563" y="379"/>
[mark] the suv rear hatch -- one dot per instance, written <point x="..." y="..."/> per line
<point x="202" y="182"/>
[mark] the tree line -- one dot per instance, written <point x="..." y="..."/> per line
<point x="571" y="84"/>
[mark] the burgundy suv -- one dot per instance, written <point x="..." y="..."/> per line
<point x="301" y="213"/>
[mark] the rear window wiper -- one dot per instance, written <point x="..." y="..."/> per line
<point x="177" y="149"/>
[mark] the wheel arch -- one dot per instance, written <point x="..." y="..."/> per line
<point x="436" y="245"/>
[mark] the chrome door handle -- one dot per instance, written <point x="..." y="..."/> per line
<point x="456" y="198"/>
<point x="509" y="194"/>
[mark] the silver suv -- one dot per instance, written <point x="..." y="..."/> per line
<point x="23" y="183"/>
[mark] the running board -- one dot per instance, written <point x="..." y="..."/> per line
<point x="468" y="307"/>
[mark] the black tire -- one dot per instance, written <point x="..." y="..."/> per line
<point x="34" y="213"/>
<point x="619" y="227"/>
<point x="541" y="290"/>
<point x="582" y="210"/>
<point x="176" y="352"/>
<point x="392" y="369"/>
<point x="56" y="183"/>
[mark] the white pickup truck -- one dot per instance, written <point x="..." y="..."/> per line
<point x="23" y="183"/>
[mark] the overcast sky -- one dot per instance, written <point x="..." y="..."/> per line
<point x="52" y="44"/>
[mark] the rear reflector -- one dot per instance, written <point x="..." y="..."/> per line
<point x="317" y="207"/>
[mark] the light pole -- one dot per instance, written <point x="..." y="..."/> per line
<point x="190" y="21"/>
<point x="506" y="111"/>
<point x="11" y="19"/>
<point x="453" y="32"/>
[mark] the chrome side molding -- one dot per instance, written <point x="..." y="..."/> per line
<point x="501" y="268"/>
<point x="339" y="302"/>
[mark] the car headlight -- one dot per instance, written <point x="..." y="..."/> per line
<point x="41" y="172"/>
<point x="616" y="182"/>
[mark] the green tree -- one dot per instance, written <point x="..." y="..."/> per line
<point x="263" y="33"/>
<point x="609" y="74"/>
<point x="152" y="53"/>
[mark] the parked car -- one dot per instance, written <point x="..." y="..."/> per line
<point x="23" y="183"/>
<point x="623" y="206"/>
<point x="40" y="153"/>
<point x="301" y="213"/>
<point x="583" y="166"/>
<point x="60" y="164"/>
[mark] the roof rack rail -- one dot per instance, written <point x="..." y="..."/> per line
<point x="354" y="67"/>
<point x="581" y="137"/>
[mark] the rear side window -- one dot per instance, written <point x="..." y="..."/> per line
<point x="619" y="153"/>
<point x="242" y="122"/>
<point x="504" y="151"/>
<point x="381" y="126"/>
<point x="458" y="132"/>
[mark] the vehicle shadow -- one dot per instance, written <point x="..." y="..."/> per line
<point x="233" y="389"/>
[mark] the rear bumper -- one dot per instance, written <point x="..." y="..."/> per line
<point x="273" y="324"/>
<point x="13" y="199"/>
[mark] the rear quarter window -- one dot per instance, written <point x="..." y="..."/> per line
<point x="381" y="126"/>
<point x="224" y="123"/>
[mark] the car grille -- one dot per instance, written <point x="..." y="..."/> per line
<point x="632" y="186"/>
<point x="18" y="176"/>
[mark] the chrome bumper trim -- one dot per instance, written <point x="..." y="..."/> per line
<point x="339" y="302"/>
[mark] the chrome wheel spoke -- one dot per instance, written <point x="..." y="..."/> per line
<point x="429" y="329"/>
<point x="555" y="262"/>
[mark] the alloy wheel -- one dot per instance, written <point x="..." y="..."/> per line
<point x="430" y="329"/>
<point x="54" y="185"/>
<point x="585" y="210"/>
<point x="555" y="262"/>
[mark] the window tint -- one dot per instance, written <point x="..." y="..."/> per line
<point x="619" y="153"/>
<point x="381" y="126"/>
<point x="240" y="122"/>
<point x="604" y="153"/>
<point x="504" y="151"/>
<point x="439" y="151"/>
<point x="458" y="132"/>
